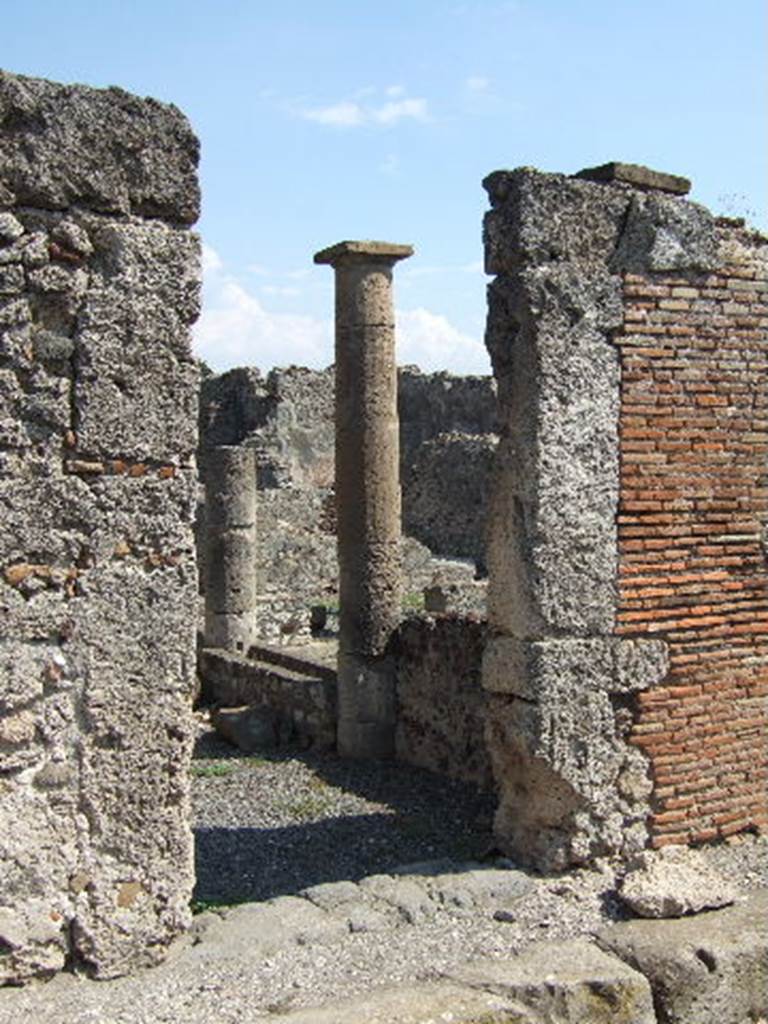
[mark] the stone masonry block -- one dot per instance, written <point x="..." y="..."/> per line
<point x="59" y="145"/>
<point x="710" y="968"/>
<point x="98" y="582"/>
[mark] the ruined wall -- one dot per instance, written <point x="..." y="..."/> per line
<point x="693" y="507"/>
<point x="440" y="698"/>
<point x="99" y="285"/>
<point x="447" y="485"/>
<point x="288" y="420"/>
<point x="442" y="403"/>
<point x="627" y="571"/>
<point x="288" y="416"/>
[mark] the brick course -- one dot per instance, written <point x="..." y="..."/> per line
<point x="692" y="521"/>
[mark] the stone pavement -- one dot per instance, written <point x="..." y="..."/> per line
<point x="340" y="953"/>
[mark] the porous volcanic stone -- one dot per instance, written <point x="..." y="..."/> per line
<point x="674" y="881"/>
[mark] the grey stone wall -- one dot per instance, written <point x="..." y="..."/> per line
<point x="99" y="285"/>
<point x="561" y="685"/>
<point x="446" y="487"/>
<point x="288" y="418"/>
<point x="430" y="404"/>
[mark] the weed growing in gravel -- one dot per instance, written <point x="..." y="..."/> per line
<point x="215" y="769"/>
<point x="305" y="808"/>
<point x="413" y="602"/>
<point x="319" y="785"/>
<point x="212" y="769"/>
<point x="201" y="906"/>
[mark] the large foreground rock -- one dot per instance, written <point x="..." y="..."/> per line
<point x="570" y="982"/>
<point x="674" y="881"/>
<point x="552" y="983"/>
<point x="707" y="969"/>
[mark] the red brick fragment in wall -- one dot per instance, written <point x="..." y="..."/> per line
<point x="692" y="521"/>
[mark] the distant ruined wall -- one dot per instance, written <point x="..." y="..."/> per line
<point x="442" y="403"/>
<point x="287" y="418"/>
<point x="447" y="486"/>
<point x="99" y="284"/>
<point x="626" y="665"/>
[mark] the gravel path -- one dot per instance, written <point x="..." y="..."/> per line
<point x="270" y="827"/>
<point x="267" y="827"/>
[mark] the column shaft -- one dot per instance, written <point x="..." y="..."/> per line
<point x="230" y="596"/>
<point x="367" y="492"/>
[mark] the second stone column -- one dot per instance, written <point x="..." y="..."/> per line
<point x="367" y="492"/>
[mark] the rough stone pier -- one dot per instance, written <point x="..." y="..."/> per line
<point x="626" y="668"/>
<point x="99" y="281"/>
<point x="367" y="492"/>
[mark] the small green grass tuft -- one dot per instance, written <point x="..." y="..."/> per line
<point x="212" y="769"/>
<point x="201" y="906"/>
<point x="305" y="808"/>
<point x="413" y="601"/>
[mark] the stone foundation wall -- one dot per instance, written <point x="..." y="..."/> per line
<point x="625" y="665"/>
<point x="430" y="404"/>
<point x="440" y="698"/>
<point x="693" y="514"/>
<point x="99" y="281"/>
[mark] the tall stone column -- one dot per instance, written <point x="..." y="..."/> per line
<point x="230" y="594"/>
<point x="367" y="492"/>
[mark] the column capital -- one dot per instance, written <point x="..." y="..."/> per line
<point x="360" y="252"/>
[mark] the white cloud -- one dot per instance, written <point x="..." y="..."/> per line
<point x="395" y="90"/>
<point x="477" y="83"/>
<point x="211" y="260"/>
<point x="397" y="110"/>
<point x="431" y="342"/>
<point x="343" y="115"/>
<point x="237" y="329"/>
<point x="351" y="114"/>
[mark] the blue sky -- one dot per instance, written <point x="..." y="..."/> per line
<point x="349" y="119"/>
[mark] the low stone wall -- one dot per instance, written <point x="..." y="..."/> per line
<point x="441" y="705"/>
<point x="305" y="704"/>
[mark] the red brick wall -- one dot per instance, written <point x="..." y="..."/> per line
<point x="694" y="494"/>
